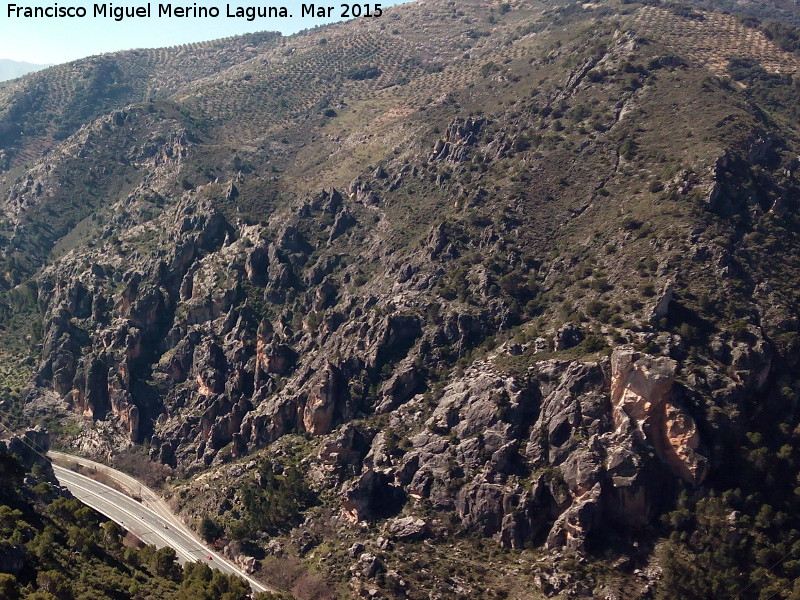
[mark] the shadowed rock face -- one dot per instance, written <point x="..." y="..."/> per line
<point x="30" y="447"/>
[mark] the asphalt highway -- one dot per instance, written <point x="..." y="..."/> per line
<point x="147" y="524"/>
<point x="131" y="485"/>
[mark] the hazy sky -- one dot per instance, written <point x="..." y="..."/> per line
<point x="61" y="39"/>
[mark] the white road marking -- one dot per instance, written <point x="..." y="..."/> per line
<point x="134" y="518"/>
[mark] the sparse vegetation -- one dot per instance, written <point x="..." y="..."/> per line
<point x="252" y="257"/>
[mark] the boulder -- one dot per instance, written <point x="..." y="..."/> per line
<point x="660" y="307"/>
<point x="356" y="549"/>
<point x="407" y="529"/>
<point x="368" y="565"/>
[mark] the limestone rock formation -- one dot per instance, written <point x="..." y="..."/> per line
<point x="640" y="396"/>
<point x="408" y="529"/>
<point x="322" y="401"/>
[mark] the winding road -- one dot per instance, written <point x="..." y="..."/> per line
<point x="150" y="520"/>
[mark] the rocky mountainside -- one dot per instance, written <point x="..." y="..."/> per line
<point x="472" y="299"/>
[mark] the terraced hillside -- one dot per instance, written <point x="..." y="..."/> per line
<point x="715" y="39"/>
<point x="49" y="106"/>
<point x="785" y="11"/>
<point x="471" y="300"/>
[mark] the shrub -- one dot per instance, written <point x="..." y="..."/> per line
<point x="364" y="72"/>
<point x="275" y="503"/>
<point x="594" y="307"/>
<point x="596" y="76"/>
<point x="628" y="149"/>
<point x="595" y="343"/>
<point x="209" y="530"/>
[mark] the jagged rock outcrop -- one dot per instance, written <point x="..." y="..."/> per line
<point x="460" y="134"/>
<point x="372" y="495"/>
<point x="574" y="524"/>
<point x="568" y="335"/>
<point x="399" y="387"/>
<point x="348" y="447"/>
<point x="661" y="305"/>
<point x="603" y="436"/>
<point x="640" y="396"/>
<point x="321" y="404"/>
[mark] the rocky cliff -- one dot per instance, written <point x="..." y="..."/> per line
<point x="461" y="267"/>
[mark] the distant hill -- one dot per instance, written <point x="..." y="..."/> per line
<point x="11" y="69"/>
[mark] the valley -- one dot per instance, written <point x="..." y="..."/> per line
<point x="492" y="300"/>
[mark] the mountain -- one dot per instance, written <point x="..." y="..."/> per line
<point x="11" y="69"/>
<point x="468" y="300"/>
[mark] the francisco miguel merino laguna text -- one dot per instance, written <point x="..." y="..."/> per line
<point x="118" y="13"/>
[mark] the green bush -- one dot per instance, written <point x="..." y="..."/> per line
<point x="274" y="503"/>
<point x="208" y="529"/>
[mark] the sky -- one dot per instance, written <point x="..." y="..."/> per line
<point x="62" y="39"/>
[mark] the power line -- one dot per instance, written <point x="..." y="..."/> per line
<point x="779" y="561"/>
<point x="24" y="439"/>
<point x="776" y="591"/>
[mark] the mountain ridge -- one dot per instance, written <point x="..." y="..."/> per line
<point x="516" y="277"/>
